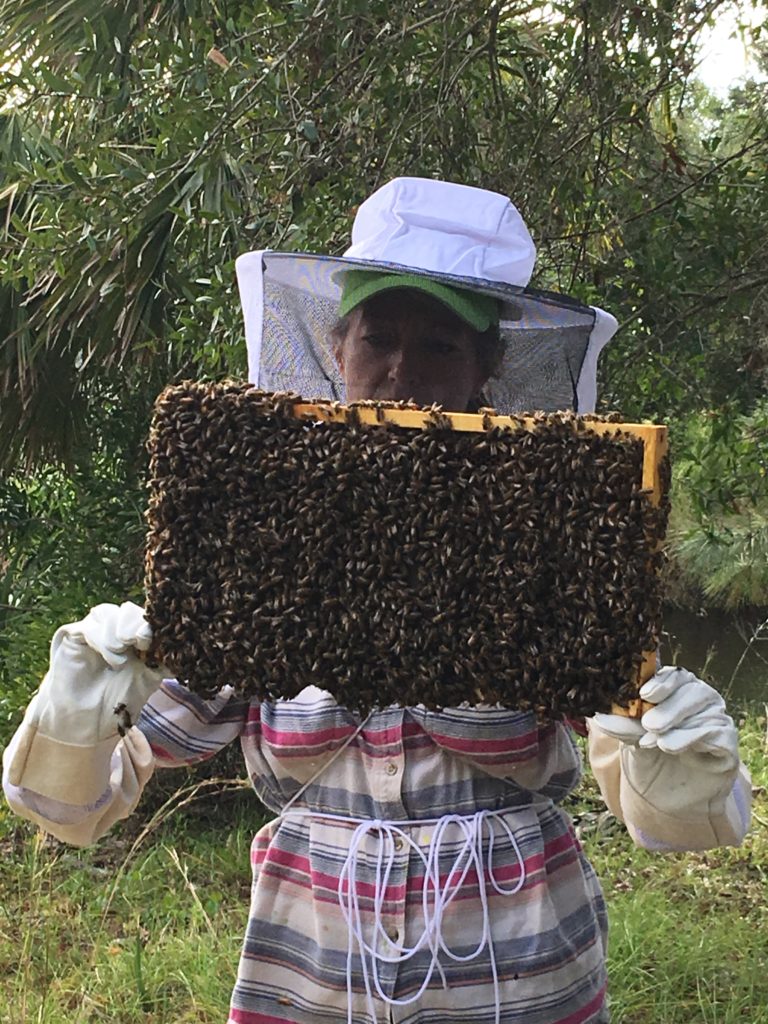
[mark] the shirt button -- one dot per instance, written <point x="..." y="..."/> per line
<point x="398" y="843"/>
<point x="391" y="768"/>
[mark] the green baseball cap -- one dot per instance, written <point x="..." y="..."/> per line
<point x="477" y="310"/>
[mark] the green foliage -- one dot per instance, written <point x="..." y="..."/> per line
<point x="145" y="146"/>
<point x="729" y="561"/>
<point x="719" y="528"/>
<point x="68" y="539"/>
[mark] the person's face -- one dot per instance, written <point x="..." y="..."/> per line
<point x="402" y="344"/>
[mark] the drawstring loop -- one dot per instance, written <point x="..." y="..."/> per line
<point x="436" y="895"/>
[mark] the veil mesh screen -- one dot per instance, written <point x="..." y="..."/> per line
<point x="546" y="341"/>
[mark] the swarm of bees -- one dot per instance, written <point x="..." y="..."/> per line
<point x="392" y="565"/>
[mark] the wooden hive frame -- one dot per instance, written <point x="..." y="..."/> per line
<point x="652" y="487"/>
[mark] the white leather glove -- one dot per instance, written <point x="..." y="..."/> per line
<point x="688" y="722"/>
<point x="93" y="691"/>
<point x="674" y="777"/>
<point x="95" y="670"/>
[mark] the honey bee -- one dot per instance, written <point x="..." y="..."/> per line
<point x="397" y="565"/>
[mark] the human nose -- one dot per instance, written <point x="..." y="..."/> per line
<point x="402" y="369"/>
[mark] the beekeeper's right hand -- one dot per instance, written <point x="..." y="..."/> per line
<point x="95" y="676"/>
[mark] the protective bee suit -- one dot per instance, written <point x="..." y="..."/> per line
<point x="419" y="865"/>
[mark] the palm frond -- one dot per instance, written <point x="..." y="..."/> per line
<point x="57" y="30"/>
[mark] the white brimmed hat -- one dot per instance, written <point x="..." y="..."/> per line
<point x="449" y="235"/>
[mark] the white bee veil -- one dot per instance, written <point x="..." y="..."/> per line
<point x="454" y="234"/>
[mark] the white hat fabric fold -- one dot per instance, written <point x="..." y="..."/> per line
<point x="444" y="228"/>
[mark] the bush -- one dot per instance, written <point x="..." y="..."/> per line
<point x="718" y="539"/>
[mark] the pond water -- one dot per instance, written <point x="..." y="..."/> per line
<point x="716" y="646"/>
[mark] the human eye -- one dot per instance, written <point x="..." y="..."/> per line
<point x="377" y="340"/>
<point x="440" y="346"/>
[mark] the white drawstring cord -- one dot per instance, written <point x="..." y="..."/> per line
<point x="434" y="903"/>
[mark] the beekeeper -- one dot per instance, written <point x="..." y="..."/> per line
<point x="419" y="865"/>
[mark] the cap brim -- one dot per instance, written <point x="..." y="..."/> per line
<point x="475" y="309"/>
<point x="504" y="294"/>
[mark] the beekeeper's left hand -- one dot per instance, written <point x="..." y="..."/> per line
<point x="688" y="724"/>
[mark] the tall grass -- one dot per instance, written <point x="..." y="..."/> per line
<point x="139" y="928"/>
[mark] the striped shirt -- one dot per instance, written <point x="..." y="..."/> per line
<point x="415" y="857"/>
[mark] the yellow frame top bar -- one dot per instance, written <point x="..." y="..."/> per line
<point x="654" y="436"/>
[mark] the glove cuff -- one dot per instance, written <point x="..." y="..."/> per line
<point x="688" y="811"/>
<point x="69" y="773"/>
